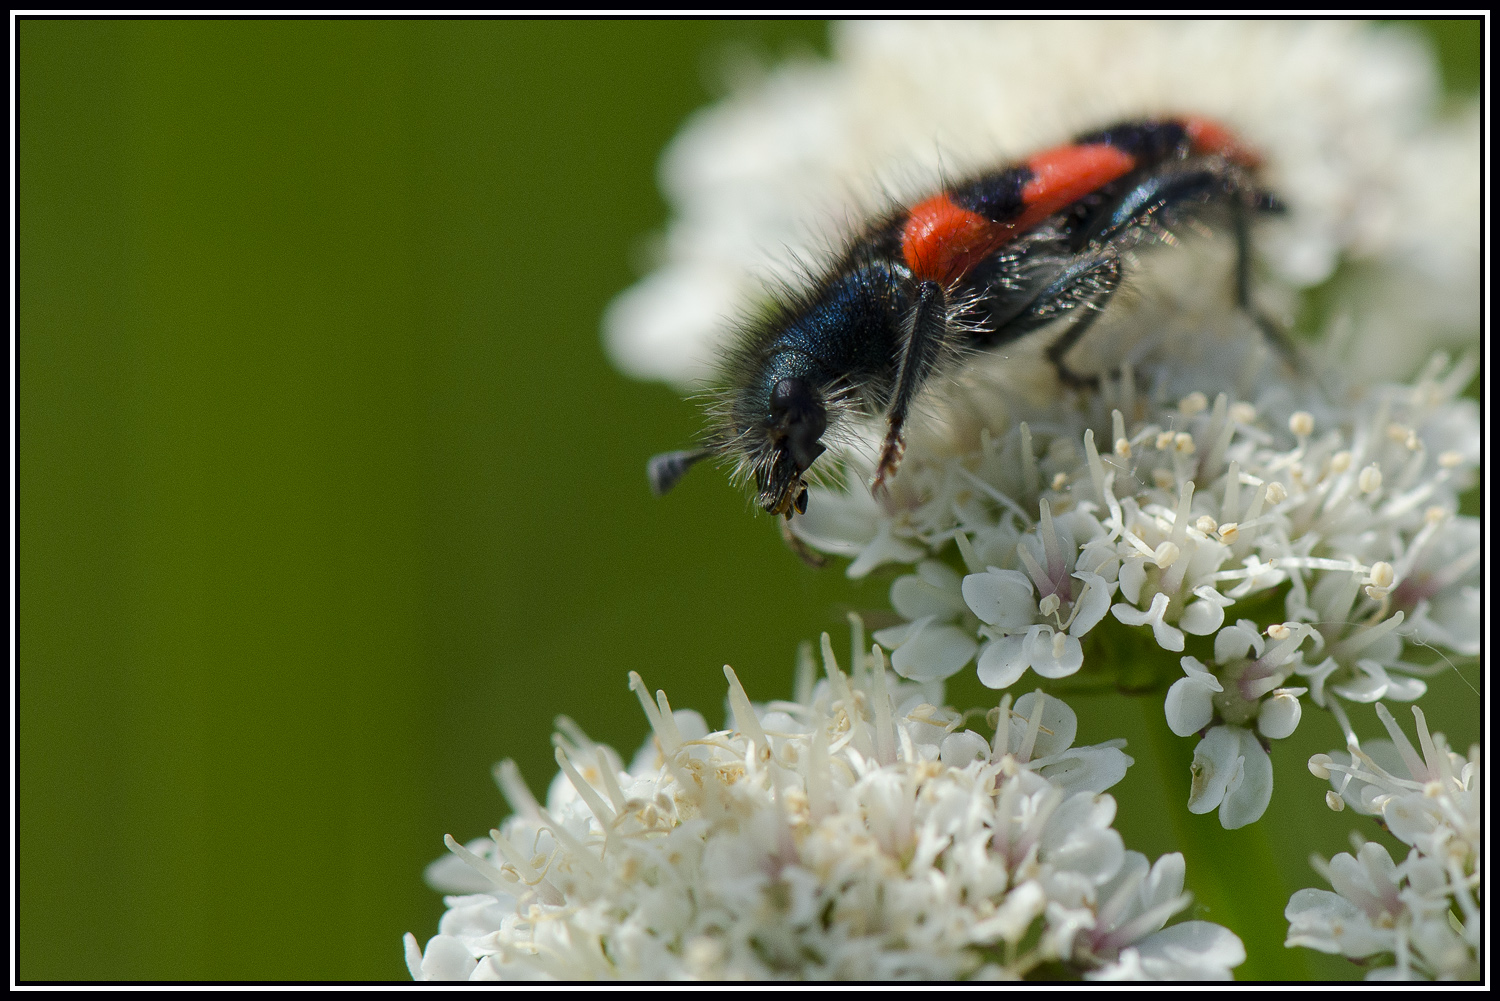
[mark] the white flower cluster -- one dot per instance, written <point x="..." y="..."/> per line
<point x="1337" y="535"/>
<point x="780" y="171"/>
<point x="859" y="832"/>
<point x="1421" y="919"/>
<point x="1206" y="491"/>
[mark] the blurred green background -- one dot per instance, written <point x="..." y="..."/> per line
<point x="329" y="498"/>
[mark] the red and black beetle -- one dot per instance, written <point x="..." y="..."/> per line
<point x="986" y="261"/>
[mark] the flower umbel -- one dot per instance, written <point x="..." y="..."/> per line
<point x="1220" y="517"/>
<point x="858" y="832"/>
<point x="1421" y="919"/>
<point x="1195" y="511"/>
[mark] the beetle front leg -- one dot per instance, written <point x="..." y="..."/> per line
<point x="929" y="329"/>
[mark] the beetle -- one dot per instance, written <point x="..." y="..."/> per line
<point x="984" y="262"/>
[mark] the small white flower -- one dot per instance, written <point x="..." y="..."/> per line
<point x="850" y="523"/>
<point x="1438" y="584"/>
<point x="1357" y="920"/>
<point x="1425" y="913"/>
<point x="929" y="647"/>
<point x="1231" y="772"/>
<point x="1190" y="951"/>
<point x="1074" y="600"/>
<point x="1168" y="637"/>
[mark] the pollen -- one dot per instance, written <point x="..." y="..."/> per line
<point x="1275" y="492"/>
<point x="1206" y="524"/>
<point x="1183" y="442"/>
<point x="1369" y="478"/>
<point x="1193" y="403"/>
<point x="1341" y="462"/>
<point x="1451" y="460"/>
<point x="1229" y="531"/>
<point x="1301" y="424"/>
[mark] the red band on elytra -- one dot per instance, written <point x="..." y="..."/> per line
<point x="1208" y="136"/>
<point x="942" y="241"/>
<point x="1063" y="175"/>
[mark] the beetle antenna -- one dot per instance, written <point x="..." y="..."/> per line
<point x="666" y="469"/>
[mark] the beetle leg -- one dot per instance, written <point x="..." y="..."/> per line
<point x="929" y="328"/>
<point x="1065" y="294"/>
<point x="1269" y="329"/>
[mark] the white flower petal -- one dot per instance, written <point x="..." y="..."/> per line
<point x="446" y="960"/>
<point x="1164" y="882"/>
<point x="1132" y="578"/>
<point x="1003" y="598"/>
<point x="882" y="549"/>
<point x="1204" y="616"/>
<point x="932" y="590"/>
<point x="1053" y="654"/>
<point x="1092" y="604"/>
<point x="1059" y="724"/>
<point x="1279" y="715"/>
<point x="934" y="651"/>
<point x="1191" y="951"/>
<point x="1168" y="636"/>
<point x="893" y="636"/>
<point x="1024" y="905"/>
<point x="1328" y="923"/>
<point x="1246" y="800"/>
<point x="1092" y="769"/>
<point x="961" y="749"/>
<point x="475" y="915"/>
<point x="1199" y="672"/>
<point x="1003" y="661"/>
<point x="1078" y="838"/>
<point x="1370" y="686"/>
<point x="1235" y="642"/>
<point x="1215" y="761"/>
<point x="1189" y="706"/>
<point x="1408" y="817"/>
<point x="451" y="874"/>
